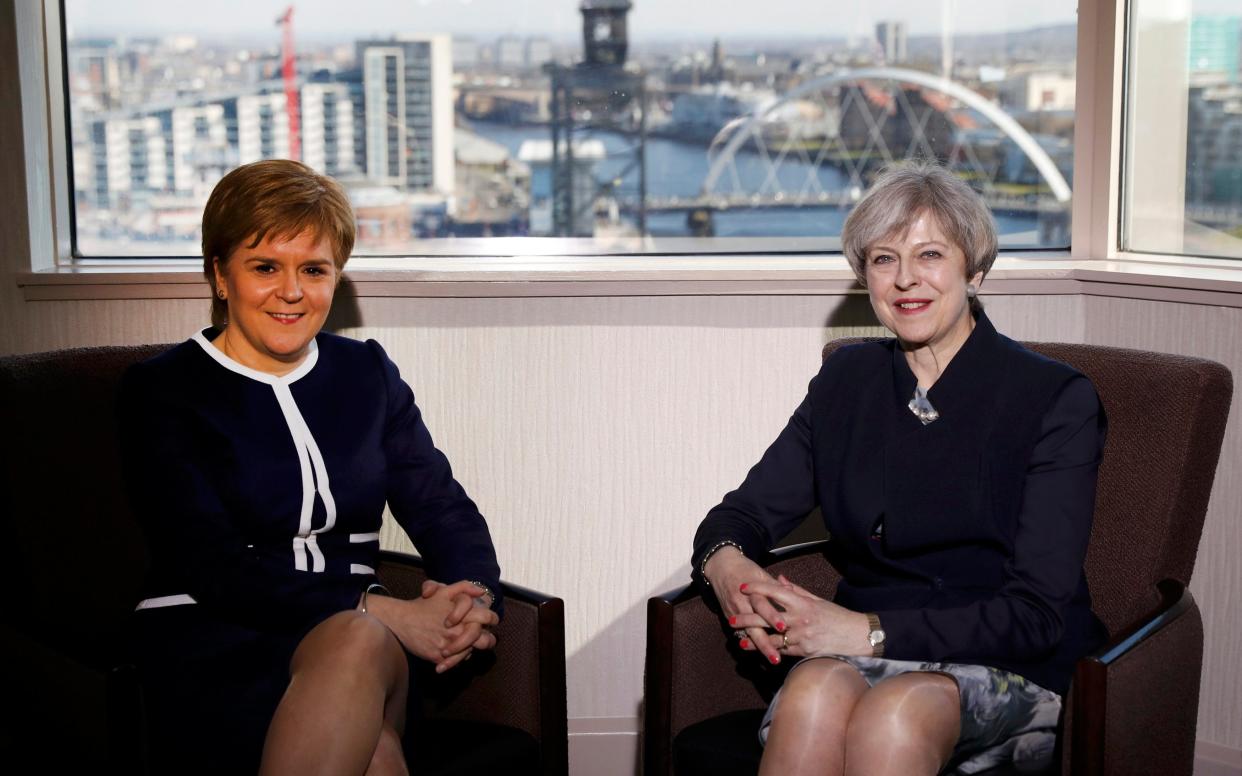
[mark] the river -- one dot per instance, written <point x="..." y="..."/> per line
<point x="678" y="169"/>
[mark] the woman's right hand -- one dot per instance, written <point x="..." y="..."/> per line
<point x="421" y="625"/>
<point x="730" y="572"/>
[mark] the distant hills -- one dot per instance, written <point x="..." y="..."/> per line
<point x="1058" y="43"/>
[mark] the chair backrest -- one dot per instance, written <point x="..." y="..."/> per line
<point x="75" y="560"/>
<point x="1166" y="421"/>
<point x="74" y="556"/>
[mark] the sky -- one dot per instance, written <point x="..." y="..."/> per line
<point x="664" y="19"/>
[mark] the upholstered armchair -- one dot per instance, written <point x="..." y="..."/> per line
<point x="1132" y="707"/>
<point x="74" y="560"/>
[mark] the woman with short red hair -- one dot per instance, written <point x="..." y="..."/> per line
<point x="260" y="456"/>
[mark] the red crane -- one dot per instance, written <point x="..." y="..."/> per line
<point x="290" y="72"/>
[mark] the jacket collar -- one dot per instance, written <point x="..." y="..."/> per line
<point x="969" y="381"/>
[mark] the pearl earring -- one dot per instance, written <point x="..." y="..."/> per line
<point x="971" y="291"/>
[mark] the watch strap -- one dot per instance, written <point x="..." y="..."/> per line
<point x="876" y="636"/>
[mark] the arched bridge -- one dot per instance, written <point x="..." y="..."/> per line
<point x="816" y="145"/>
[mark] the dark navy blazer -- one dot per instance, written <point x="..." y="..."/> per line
<point x="262" y="496"/>
<point x="967" y="535"/>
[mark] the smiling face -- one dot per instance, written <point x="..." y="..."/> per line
<point x="278" y="294"/>
<point x="917" y="284"/>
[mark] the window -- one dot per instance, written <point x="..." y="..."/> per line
<point x="707" y="126"/>
<point x="1183" y="174"/>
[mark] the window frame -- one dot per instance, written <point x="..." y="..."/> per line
<point x="1094" y="237"/>
<point x="40" y="42"/>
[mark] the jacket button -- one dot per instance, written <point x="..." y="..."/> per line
<point x="938" y="583"/>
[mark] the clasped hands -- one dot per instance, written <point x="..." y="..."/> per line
<point x="444" y="625"/>
<point x="776" y="616"/>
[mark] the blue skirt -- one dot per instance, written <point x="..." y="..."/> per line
<point x="210" y="688"/>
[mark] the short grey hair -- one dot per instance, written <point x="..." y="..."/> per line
<point x="904" y="190"/>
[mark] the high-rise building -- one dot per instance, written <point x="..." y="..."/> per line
<point x="1214" y="145"/>
<point x="466" y="52"/>
<point x="892" y="39"/>
<point x="262" y="127"/>
<point x="200" y="146"/>
<point x="169" y="150"/>
<point x="328" y="128"/>
<point x="1215" y="46"/>
<point x="95" y="75"/>
<point x="184" y="148"/>
<point x="538" y="51"/>
<point x="510" y="52"/>
<point x="129" y="156"/>
<point x="407" y="111"/>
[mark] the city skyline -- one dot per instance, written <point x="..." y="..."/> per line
<point x="468" y="161"/>
<point x="559" y="19"/>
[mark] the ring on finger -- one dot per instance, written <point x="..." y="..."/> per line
<point x="785" y="640"/>
<point x="739" y="634"/>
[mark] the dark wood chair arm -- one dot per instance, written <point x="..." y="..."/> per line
<point x="1142" y="681"/>
<point x="520" y="684"/>
<point x="817" y="547"/>
<point x="657" y="708"/>
<point x="694" y="670"/>
<point x="1175" y="601"/>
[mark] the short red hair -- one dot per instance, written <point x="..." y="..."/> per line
<point x="277" y="198"/>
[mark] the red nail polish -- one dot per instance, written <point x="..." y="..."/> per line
<point x="774" y="659"/>
<point x="744" y="643"/>
<point x="733" y="620"/>
<point x="780" y="627"/>
<point x="743" y="587"/>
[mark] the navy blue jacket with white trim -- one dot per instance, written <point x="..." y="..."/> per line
<point x="985" y="512"/>
<point x="262" y="496"/>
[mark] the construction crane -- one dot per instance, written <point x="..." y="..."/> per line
<point x="290" y="72"/>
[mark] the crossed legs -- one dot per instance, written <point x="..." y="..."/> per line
<point x="344" y="710"/>
<point x="828" y="722"/>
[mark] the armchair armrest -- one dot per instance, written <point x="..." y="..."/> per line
<point x="1133" y="687"/>
<point x="695" y="671"/>
<point x="521" y="683"/>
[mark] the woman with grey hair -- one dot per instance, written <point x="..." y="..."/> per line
<point x="956" y="475"/>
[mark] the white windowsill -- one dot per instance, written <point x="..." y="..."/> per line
<point x="1194" y="281"/>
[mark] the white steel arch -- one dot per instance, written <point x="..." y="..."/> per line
<point x="1043" y="163"/>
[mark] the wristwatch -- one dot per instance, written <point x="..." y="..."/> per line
<point x="876" y="636"/>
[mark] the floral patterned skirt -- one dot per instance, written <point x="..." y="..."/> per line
<point x="1005" y="718"/>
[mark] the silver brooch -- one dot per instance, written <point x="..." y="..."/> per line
<point x="922" y="408"/>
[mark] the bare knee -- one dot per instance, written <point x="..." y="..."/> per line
<point x="351" y="639"/>
<point x="820" y="694"/>
<point x="907" y="724"/>
<point x="808" y="723"/>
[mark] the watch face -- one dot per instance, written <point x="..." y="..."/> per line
<point x="876" y="637"/>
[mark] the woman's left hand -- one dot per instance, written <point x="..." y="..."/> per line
<point x="469" y="622"/>
<point x="810" y="625"/>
